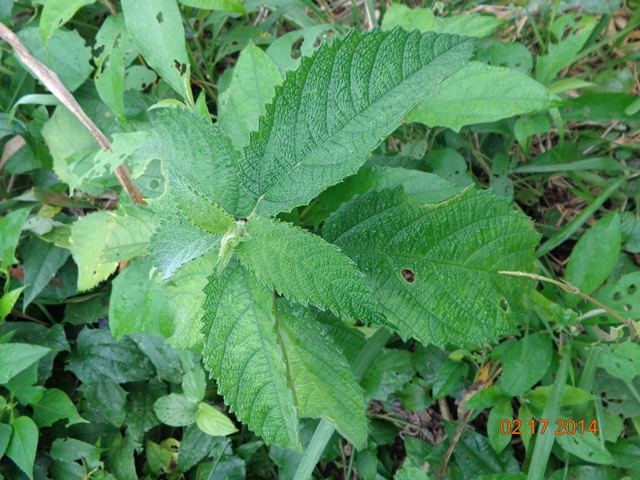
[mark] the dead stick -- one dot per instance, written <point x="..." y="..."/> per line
<point x="51" y="80"/>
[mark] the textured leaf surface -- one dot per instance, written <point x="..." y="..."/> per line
<point x="304" y="267"/>
<point x="252" y="86"/>
<point x="322" y="378"/>
<point x="102" y="239"/>
<point x="338" y="106"/>
<point x="198" y="210"/>
<point x="244" y="355"/>
<point x="434" y="268"/>
<point x="184" y="292"/>
<point x="178" y="241"/>
<point x="201" y="152"/>
<point x="481" y="93"/>
<point x="156" y="28"/>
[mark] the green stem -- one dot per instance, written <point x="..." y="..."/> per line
<point x="325" y="429"/>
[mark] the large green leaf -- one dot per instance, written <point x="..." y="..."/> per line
<point x="41" y="262"/>
<point x="15" y="357"/>
<point x="338" y="106"/>
<point x="56" y="13"/>
<point x="243" y="352"/>
<point x="156" y="28"/>
<point x="434" y="268"/>
<point x="253" y="84"/>
<point x="23" y="444"/>
<point x="202" y="154"/>
<point x="481" y="93"/>
<point x="324" y="384"/>
<point x="101" y="240"/>
<point x="304" y="267"/>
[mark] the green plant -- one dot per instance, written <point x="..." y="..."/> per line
<point x="328" y="247"/>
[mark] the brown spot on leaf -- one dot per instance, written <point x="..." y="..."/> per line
<point x="408" y="275"/>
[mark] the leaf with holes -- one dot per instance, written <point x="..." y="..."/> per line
<point x="434" y="268"/>
<point x="338" y="106"/>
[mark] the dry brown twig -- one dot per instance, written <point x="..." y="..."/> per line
<point x="51" y="80"/>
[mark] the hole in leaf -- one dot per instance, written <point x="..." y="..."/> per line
<point x="180" y="66"/>
<point x="408" y="275"/>
<point x="617" y="296"/>
<point x="504" y="305"/>
<point x="628" y="307"/>
<point x="159" y="17"/>
<point x="632" y="289"/>
<point x="154" y="184"/>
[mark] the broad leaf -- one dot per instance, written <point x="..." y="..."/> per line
<point x="244" y="355"/>
<point x="56" y="13"/>
<point x="304" y="267"/>
<point x="338" y="106"/>
<point x="137" y="304"/>
<point x="15" y="357"/>
<point x="202" y="154"/>
<point x="481" y="93"/>
<point x="322" y="378"/>
<point x="156" y="28"/>
<point x="101" y="240"/>
<point x="253" y="84"/>
<point x="211" y="420"/>
<point x="434" y="268"/>
<point x="23" y="444"/>
<point x="53" y="406"/>
<point x="200" y="211"/>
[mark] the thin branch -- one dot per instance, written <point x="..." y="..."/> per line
<point x="51" y="80"/>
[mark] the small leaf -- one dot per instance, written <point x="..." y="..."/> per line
<point x="53" y="406"/>
<point x="137" y="304"/>
<point x="218" y="5"/>
<point x="100" y="240"/>
<point x="305" y="268"/>
<point x="519" y="373"/>
<point x="41" y="262"/>
<point x="58" y="12"/>
<point x="586" y="446"/>
<point x="337" y="106"/>
<point x="178" y="241"/>
<point x="10" y="228"/>
<point x="212" y="421"/>
<point x="7" y="301"/>
<point x="176" y="410"/>
<point x="434" y="268"/>
<point x="15" y="357"/>
<point x="244" y="355"/>
<point x="201" y="212"/>
<point x="23" y="443"/>
<point x="594" y="256"/>
<point x="252" y="86"/>
<point x="480" y="93"/>
<point x="156" y="28"/>
<point x="500" y="412"/>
